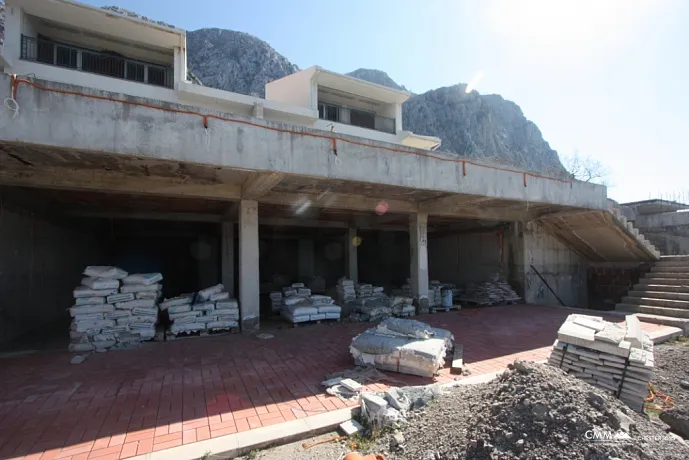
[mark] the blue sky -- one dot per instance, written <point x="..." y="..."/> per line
<point x="606" y="78"/>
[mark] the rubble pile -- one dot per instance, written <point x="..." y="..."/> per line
<point x="114" y="309"/>
<point x="618" y="359"/>
<point x="403" y="345"/>
<point x="209" y="309"/>
<point x="531" y="411"/>
<point x="492" y="292"/>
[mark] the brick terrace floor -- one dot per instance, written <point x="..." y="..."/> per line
<point x="125" y="403"/>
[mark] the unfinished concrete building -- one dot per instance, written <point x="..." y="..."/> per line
<point x="108" y="155"/>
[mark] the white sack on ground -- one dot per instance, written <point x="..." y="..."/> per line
<point x="85" y="291"/>
<point x="115" y="298"/>
<point x="184" y="299"/>
<point x="226" y="304"/>
<point x="142" y="278"/>
<point x="220" y="296"/>
<point x="406" y="328"/>
<point x="205" y="294"/>
<point x="97" y="271"/>
<point x="89" y="301"/>
<point x="86" y="309"/>
<point x="135" y="303"/>
<point x="140" y="288"/>
<point x="100" y="283"/>
<point x="147" y="295"/>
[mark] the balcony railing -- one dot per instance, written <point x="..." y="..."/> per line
<point x="57" y="54"/>
<point x="356" y="117"/>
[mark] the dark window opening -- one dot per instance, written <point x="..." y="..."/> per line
<point x="362" y="118"/>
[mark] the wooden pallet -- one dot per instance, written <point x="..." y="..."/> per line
<point x="193" y="335"/>
<point x="445" y="309"/>
<point x="318" y="321"/>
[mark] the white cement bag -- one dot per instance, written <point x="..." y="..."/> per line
<point x="188" y="327"/>
<point x="185" y="319"/>
<point x="299" y="310"/>
<point x="294" y="318"/>
<point x="124" y="321"/>
<point x="184" y="314"/>
<point x="220" y="296"/>
<point x="179" y="309"/>
<point x="228" y="317"/>
<point x="147" y="295"/>
<point x="329" y="309"/>
<point x="80" y="347"/>
<point x="89" y="301"/>
<point x="147" y="333"/>
<point x="317" y="317"/>
<point x="207" y="306"/>
<point x="145" y="311"/>
<point x="296" y="300"/>
<point x="205" y="294"/>
<point x="226" y="304"/>
<point x="137" y="325"/>
<point x="215" y="325"/>
<point x="332" y="316"/>
<point x="115" y="298"/>
<point x="116" y="329"/>
<point x="100" y="283"/>
<point x="142" y="278"/>
<point x="135" y="303"/>
<point x="85" y="291"/>
<point x="84" y="326"/>
<point x="98" y="271"/>
<point x="89" y="317"/>
<point x="86" y="309"/>
<point x="184" y="299"/>
<point x="117" y="314"/>
<point x="140" y="288"/>
<point x="321" y="299"/>
<point x="406" y="328"/>
<point x="297" y="285"/>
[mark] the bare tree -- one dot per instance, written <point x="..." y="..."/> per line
<point x="586" y="169"/>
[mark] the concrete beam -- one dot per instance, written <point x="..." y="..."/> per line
<point x="456" y="206"/>
<point x="169" y="216"/>
<point x="258" y="184"/>
<point x="338" y="201"/>
<point x="114" y="182"/>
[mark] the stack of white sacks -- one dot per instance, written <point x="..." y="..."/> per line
<point x="275" y="301"/>
<point x="617" y="359"/>
<point x="345" y="290"/>
<point x="298" y="306"/>
<point x="114" y="309"/>
<point x="210" y="309"/>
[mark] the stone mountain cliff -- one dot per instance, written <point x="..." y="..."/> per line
<point x="471" y="125"/>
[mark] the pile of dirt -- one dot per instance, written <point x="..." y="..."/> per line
<point x="531" y="411"/>
<point x="671" y="378"/>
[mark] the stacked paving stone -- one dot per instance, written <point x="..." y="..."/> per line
<point x="113" y="309"/>
<point x="210" y="309"/>
<point x="617" y="359"/>
<point x="492" y="292"/>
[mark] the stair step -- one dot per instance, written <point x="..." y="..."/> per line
<point x="674" y="258"/>
<point x="659" y="294"/>
<point x="672" y="263"/>
<point x="651" y="287"/>
<point x="674" y="269"/>
<point x="684" y="304"/>
<point x="657" y="274"/>
<point x="651" y="310"/>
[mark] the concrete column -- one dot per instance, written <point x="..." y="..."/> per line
<point x="418" y="243"/>
<point x="257" y="111"/>
<point x="351" y="254"/>
<point x="249" y="300"/>
<point x="227" y="256"/>
<point x="305" y="259"/>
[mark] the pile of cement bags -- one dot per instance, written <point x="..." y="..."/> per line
<point x="403" y="345"/>
<point x="114" y="309"/>
<point x="300" y="308"/>
<point x="345" y="290"/>
<point x="492" y="292"/>
<point x="209" y="309"/>
<point x="617" y="359"/>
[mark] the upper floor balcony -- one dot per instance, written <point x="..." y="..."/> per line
<point x="356" y="117"/>
<point x="101" y="63"/>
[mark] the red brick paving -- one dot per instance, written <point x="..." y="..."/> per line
<point x="125" y="403"/>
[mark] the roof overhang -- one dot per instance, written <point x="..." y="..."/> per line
<point x="420" y="142"/>
<point x="103" y="22"/>
<point x="358" y="87"/>
<point x="656" y="206"/>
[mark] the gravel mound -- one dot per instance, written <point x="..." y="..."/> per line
<point x="531" y="411"/>
<point x="671" y="375"/>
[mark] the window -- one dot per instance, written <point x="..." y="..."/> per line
<point x="135" y="71"/>
<point x="328" y="112"/>
<point x="362" y="118"/>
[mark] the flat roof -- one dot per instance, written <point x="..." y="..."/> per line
<point x="656" y="206"/>
<point x="101" y="21"/>
<point x="359" y="87"/>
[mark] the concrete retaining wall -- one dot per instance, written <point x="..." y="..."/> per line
<point x="608" y="283"/>
<point x="465" y="258"/>
<point x="40" y="263"/>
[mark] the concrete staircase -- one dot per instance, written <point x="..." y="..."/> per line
<point x="663" y="291"/>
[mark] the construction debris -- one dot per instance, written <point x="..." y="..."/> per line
<point x="492" y="292"/>
<point x="531" y="411"/>
<point x="403" y="345"/>
<point x="113" y="309"/>
<point x="617" y="359"/>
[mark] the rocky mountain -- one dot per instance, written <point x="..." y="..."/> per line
<point x="235" y="61"/>
<point x="376" y="76"/>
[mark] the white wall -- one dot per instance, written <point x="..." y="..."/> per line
<point x="294" y="89"/>
<point x="343" y="128"/>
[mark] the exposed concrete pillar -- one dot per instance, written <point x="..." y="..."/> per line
<point x="249" y="299"/>
<point x="227" y="256"/>
<point x="305" y="258"/>
<point x="418" y="243"/>
<point x="352" y="254"/>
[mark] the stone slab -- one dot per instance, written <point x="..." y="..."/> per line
<point x="634" y="334"/>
